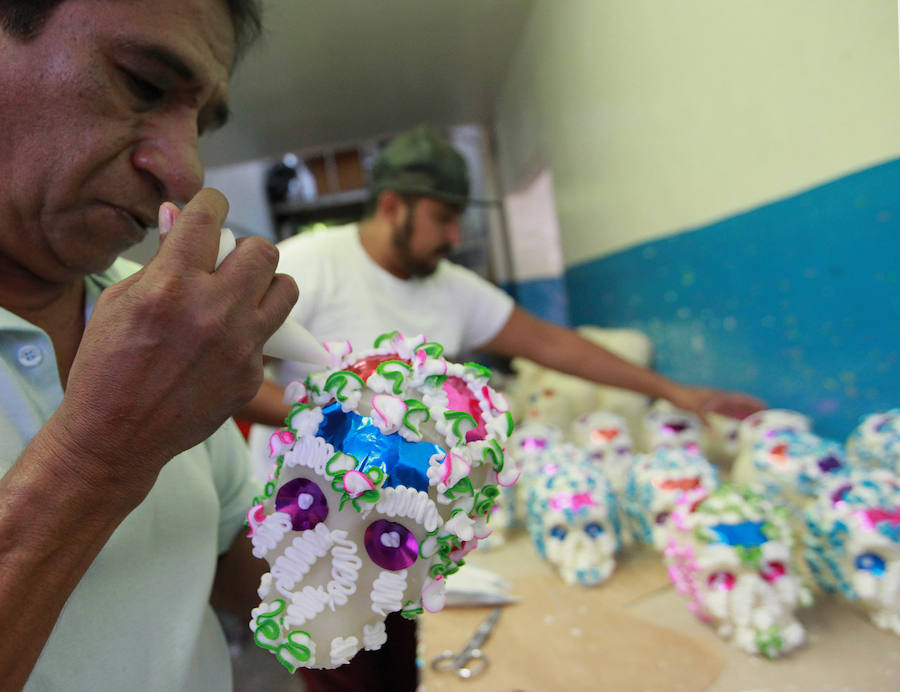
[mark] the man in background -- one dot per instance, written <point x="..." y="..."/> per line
<point x="390" y="272"/>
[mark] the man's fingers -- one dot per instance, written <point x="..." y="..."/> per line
<point x="278" y="301"/>
<point x="193" y="239"/>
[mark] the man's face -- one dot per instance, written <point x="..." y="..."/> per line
<point x="99" y="120"/>
<point x="427" y="232"/>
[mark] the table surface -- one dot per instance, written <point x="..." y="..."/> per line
<point x="634" y="633"/>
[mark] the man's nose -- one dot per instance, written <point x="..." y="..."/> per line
<point x="169" y="154"/>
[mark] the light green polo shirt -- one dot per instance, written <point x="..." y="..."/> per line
<point x="140" y="617"/>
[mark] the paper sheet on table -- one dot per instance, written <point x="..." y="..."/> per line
<point x="476" y="586"/>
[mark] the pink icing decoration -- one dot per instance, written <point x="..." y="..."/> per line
<point x="356" y="483"/>
<point x="532" y="444"/>
<point x="255" y="516"/>
<point x="573" y="501"/>
<point x="278" y="441"/>
<point x="869" y="518"/>
<point x="385" y="401"/>
<point x="460" y="398"/>
<point x="432" y="600"/>
<point x="498" y="406"/>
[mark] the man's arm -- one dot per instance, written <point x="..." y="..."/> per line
<point x="525" y="335"/>
<point x="267" y="407"/>
<point x="165" y="359"/>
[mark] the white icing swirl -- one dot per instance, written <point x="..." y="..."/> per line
<point x="270" y="532"/>
<point x="311" y="452"/>
<point x="387" y="592"/>
<point x="461" y="525"/>
<point x="342" y="650"/>
<point x="294" y="563"/>
<point x="345" y="565"/>
<point x="305" y="605"/>
<point x="306" y="422"/>
<point x="434" y="595"/>
<point x="410" y="503"/>
<point x="388" y="412"/>
<point x="374" y="636"/>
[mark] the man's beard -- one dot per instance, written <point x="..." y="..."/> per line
<point x="414" y="266"/>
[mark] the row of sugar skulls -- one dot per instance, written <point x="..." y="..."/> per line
<point x="576" y="494"/>
<point x="386" y="473"/>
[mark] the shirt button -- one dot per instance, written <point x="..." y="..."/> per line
<point x="30" y="355"/>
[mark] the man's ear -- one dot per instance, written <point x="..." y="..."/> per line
<point x="392" y="207"/>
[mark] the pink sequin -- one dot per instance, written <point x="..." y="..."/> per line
<point x="460" y="398"/>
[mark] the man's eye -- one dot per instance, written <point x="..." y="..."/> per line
<point x="141" y="88"/>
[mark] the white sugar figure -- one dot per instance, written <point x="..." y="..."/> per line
<point x="388" y="469"/>
<point x="729" y="553"/>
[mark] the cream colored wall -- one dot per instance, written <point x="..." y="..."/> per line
<point x="657" y="116"/>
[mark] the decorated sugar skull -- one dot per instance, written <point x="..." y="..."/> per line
<point x="573" y="522"/>
<point x="719" y="441"/>
<point x="604" y="436"/>
<point x="535" y="469"/>
<point x="790" y="466"/>
<point x="666" y="427"/>
<point x="852" y="542"/>
<point x="387" y="470"/>
<point x="875" y="442"/>
<point x="759" y="427"/>
<point x="729" y="553"/>
<point x="655" y="483"/>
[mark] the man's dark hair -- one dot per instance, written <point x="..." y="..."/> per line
<point x="24" y="19"/>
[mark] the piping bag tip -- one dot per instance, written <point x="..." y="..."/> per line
<point x="291" y="341"/>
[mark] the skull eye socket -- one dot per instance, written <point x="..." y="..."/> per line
<point x="661" y="518"/>
<point x="594" y="529"/>
<point x="391" y="546"/>
<point x="623" y="451"/>
<point x="598" y="455"/>
<point x="304" y="502"/>
<point x="559" y="532"/>
<point x="773" y="571"/>
<point x="870" y="562"/>
<point x="721" y="581"/>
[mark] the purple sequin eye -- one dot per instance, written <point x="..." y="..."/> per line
<point x="390" y="545"/>
<point x="304" y="502"/>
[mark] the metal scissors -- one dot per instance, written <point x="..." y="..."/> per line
<point x="471" y="660"/>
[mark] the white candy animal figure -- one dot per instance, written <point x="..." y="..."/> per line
<point x="605" y="438"/>
<point x="729" y="553"/>
<point x="852" y="542"/>
<point x="655" y="483"/>
<point x="758" y="427"/>
<point x="387" y="471"/>
<point x="573" y="522"/>
<point x="875" y="442"/>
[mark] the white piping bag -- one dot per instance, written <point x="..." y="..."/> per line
<point x="291" y="341"/>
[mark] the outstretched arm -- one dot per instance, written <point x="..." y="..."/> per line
<point x="527" y="336"/>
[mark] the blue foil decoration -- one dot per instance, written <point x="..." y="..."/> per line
<point x="747" y="533"/>
<point x="403" y="462"/>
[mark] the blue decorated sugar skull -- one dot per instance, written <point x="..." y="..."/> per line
<point x="790" y="466"/>
<point x="604" y="436"/>
<point x="875" y="442"/>
<point x="655" y="483"/>
<point x="729" y="552"/>
<point x="387" y="471"/>
<point x="852" y="542"/>
<point x="573" y="522"/>
<point x="760" y="427"/>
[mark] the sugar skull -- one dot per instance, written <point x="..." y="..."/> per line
<point x="852" y="542"/>
<point x="875" y="442"/>
<point x="605" y="438"/>
<point x="655" y="483"/>
<point x="759" y="427"/>
<point x="387" y="470"/>
<point x="790" y="466"/>
<point x="666" y="427"/>
<point x="729" y="553"/>
<point x="573" y="522"/>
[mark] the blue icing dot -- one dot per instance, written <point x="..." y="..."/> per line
<point x="747" y="533"/>
<point x="404" y="463"/>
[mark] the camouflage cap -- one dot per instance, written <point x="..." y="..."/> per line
<point x="422" y="162"/>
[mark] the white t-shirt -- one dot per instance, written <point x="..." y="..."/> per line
<point x="344" y="294"/>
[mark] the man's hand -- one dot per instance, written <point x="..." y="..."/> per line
<point x="171" y="352"/>
<point x="701" y="401"/>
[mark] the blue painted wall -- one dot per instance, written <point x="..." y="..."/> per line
<point x="797" y="301"/>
